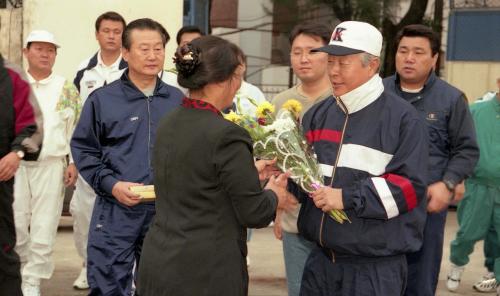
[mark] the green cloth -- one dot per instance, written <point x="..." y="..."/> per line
<point x="479" y="212"/>
<point x="491" y="249"/>
<point x="486" y="117"/>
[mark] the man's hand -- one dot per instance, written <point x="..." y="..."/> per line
<point x="438" y="197"/>
<point x="278" y="232"/>
<point x="70" y="175"/>
<point x="459" y="191"/>
<point x="266" y="168"/>
<point x="328" y="198"/>
<point x="121" y="191"/>
<point x="8" y="166"/>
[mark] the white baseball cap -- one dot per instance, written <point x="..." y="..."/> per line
<point x="353" y="37"/>
<point x="41" y="36"/>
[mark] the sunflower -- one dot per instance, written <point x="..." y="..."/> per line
<point x="293" y="106"/>
<point x="264" y="109"/>
<point x="233" y="117"/>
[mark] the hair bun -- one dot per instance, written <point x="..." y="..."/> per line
<point x="187" y="59"/>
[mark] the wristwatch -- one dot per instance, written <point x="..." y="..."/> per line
<point x="450" y="185"/>
<point x="20" y="154"/>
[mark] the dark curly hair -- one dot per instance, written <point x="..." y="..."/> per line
<point x="207" y="59"/>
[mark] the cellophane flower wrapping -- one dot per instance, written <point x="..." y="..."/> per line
<point x="280" y="136"/>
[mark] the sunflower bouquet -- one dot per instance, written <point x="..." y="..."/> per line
<point x="278" y="135"/>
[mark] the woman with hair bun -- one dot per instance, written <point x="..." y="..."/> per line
<point x="207" y="185"/>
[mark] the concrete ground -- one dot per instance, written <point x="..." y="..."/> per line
<point x="267" y="272"/>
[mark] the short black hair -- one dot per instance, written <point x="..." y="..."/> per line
<point x="205" y="60"/>
<point x="418" y="30"/>
<point x="188" y="29"/>
<point x="110" y="16"/>
<point x="313" y="29"/>
<point x="143" y="24"/>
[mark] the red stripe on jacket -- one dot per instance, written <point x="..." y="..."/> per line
<point x="25" y="114"/>
<point x="406" y="187"/>
<point x="323" y="135"/>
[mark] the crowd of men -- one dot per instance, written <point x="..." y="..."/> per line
<point x="395" y="151"/>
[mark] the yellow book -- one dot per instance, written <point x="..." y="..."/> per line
<point x="146" y="192"/>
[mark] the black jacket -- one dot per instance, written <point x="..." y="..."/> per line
<point x="208" y="193"/>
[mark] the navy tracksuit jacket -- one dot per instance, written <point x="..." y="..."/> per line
<point x="113" y="142"/>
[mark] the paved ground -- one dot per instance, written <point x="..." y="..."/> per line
<point x="266" y="269"/>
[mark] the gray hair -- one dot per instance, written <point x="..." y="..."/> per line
<point x="366" y="59"/>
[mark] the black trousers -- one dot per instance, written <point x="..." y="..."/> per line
<point x="10" y="266"/>
<point x="353" y="276"/>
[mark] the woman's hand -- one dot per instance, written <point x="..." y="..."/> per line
<point x="286" y="201"/>
<point x="266" y="168"/>
<point x="328" y="198"/>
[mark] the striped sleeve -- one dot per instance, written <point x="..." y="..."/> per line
<point x="402" y="185"/>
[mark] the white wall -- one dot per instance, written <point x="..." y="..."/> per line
<point x="255" y="43"/>
<point x="72" y="22"/>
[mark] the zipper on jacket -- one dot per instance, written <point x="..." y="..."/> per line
<point x="346" y="111"/>
<point x="149" y="100"/>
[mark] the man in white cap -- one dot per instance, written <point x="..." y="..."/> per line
<point x="39" y="185"/>
<point x="372" y="149"/>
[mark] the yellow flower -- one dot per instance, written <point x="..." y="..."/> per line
<point x="264" y="109"/>
<point x="233" y="117"/>
<point x="293" y="106"/>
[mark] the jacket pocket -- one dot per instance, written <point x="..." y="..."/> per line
<point x="437" y="125"/>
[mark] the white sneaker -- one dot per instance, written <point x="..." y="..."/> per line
<point x="487" y="286"/>
<point x="81" y="281"/>
<point x="30" y="290"/>
<point x="454" y="276"/>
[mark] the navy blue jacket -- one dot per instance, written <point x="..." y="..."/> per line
<point x="382" y="173"/>
<point x="113" y="140"/>
<point x="453" y="151"/>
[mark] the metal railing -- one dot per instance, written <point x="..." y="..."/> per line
<point x="474" y="4"/>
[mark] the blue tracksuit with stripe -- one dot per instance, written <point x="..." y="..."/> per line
<point x="381" y="169"/>
<point x="113" y="142"/>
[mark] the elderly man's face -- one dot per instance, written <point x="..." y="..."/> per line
<point x="348" y="72"/>
<point x="146" y="54"/>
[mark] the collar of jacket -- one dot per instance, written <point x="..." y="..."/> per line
<point x="133" y="92"/>
<point x="94" y="60"/>
<point x="420" y="95"/>
<point x="44" y="81"/>
<point x="363" y="95"/>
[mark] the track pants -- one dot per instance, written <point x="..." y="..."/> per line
<point x="353" y="276"/>
<point x="477" y="213"/>
<point x="38" y="202"/>
<point x="81" y="207"/>
<point x="115" y="244"/>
